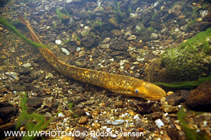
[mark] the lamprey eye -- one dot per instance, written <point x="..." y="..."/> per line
<point x="136" y="91"/>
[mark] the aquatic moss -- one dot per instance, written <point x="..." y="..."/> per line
<point x="33" y="122"/>
<point x="34" y="44"/>
<point x="191" y="60"/>
<point x="200" y="38"/>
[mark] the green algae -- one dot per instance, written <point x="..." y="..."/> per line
<point x="12" y="28"/>
<point x="33" y="122"/>
<point x="198" y="38"/>
<point x="189" y="133"/>
<point x="191" y="60"/>
<point x="61" y="15"/>
<point x="185" y="84"/>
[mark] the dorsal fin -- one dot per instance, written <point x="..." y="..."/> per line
<point x="21" y="19"/>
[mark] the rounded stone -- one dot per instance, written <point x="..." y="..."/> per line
<point x="200" y="98"/>
<point x="80" y="62"/>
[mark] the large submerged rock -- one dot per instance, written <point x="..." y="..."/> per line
<point x="188" y="62"/>
<point x="200" y="98"/>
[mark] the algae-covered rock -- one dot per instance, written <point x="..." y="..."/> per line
<point x="188" y="62"/>
<point x="113" y="21"/>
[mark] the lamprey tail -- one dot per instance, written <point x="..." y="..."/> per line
<point x="25" y="22"/>
<point x="116" y="83"/>
<point x="21" y="19"/>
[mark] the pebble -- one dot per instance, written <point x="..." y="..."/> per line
<point x="159" y="123"/>
<point x="82" y="53"/>
<point x="58" y="42"/>
<point x="106" y="40"/>
<point x="173" y="133"/>
<point x="118" y="104"/>
<point x="119" y="45"/>
<point x="145" y="107"/>
<point x="27" y="65"/>
<point x="83" y="120"/>
<point x="1" y="28"/>
<point x="31" y="87"/>
<point x="156" y="115"/>
<point x="104" y="46"/>
<point x="108" y="121"/>
<point x="12" y="74"/>
<point x="184" y="94"/>
<point x="175" y="101"/>
<point x="162" y="99"/>
<point x="137" y="75"/>
<point x="169" y="108"/>
<point x="79" y="112"/>
<point x="61" y="115"/>
<point x="155" y="53"/>
<point x="35" y="73"/>
<point x="49" y="76"/>
<point x="80" y="62"/>
<point x="65" y="51"/>
<point x="22" y="70"/>
<point x="41" y="77"/>
<point x="154" y="36"/>
<point x="88" y="41"/>
<point x="7" y="112"/>
<point x="199" y="20"/>
<point x="169" y="93"/>
<point x="16" y="87"/>
<point x="131" y="112"/>
<point x="35" y="102"/>
<point x="177" y="34"/>
<point x="118" y="122"/>
<point x="203" y="13"/>
<point x="48" y="115"/>
<point x="139" y="59"/>
<point x="132" y="37"/>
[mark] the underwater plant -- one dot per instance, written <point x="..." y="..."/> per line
<point x="191" y="60"/>
<point x="185" y="84"/>
<point x="189" y="133"/>
<point x="193" y="18"/>
<point x="185" y="66"/>
<point x="33" y="122"/>
<point x="92" y="23"/>
<point x="201" y="38"/>
<point x="70" y="108"/>
<point x="61" y="15"/>
<point x="5" y="23"/>
<point x="119" y="9"/>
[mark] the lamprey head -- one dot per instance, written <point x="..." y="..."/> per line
<point x="150" y="91"/>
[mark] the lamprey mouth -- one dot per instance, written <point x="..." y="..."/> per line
<point x="152" y="92"/>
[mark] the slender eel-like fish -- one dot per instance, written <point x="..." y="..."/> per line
<point x="116" y="83"/>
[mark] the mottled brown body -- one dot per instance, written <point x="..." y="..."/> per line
<point x="113" y="82"/>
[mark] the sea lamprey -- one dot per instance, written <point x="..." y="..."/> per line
<point x="116" y="83"/>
